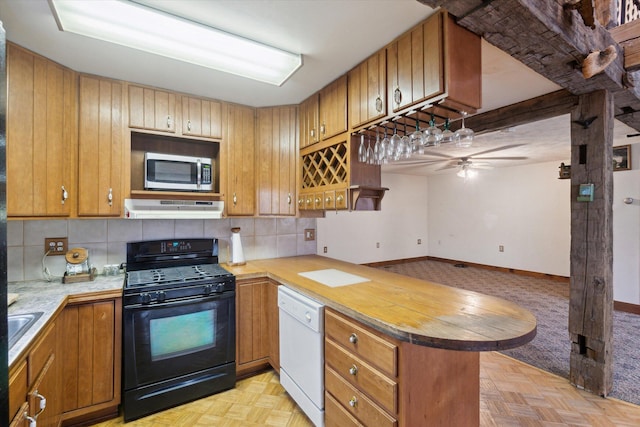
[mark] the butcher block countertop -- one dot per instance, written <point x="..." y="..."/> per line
<point x="411" y="310"/>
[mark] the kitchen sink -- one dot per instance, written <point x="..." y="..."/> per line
<point x="18" y="324"/>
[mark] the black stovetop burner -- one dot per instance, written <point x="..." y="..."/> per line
<point x="175" y="275"/>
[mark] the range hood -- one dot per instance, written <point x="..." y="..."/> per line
<point x="172" y="209"/>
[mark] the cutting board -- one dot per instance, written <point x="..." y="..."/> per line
<point x="11" y="298"/>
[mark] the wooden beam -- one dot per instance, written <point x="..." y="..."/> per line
<point x="542" y="107"/>
<point x="591" y="282"/>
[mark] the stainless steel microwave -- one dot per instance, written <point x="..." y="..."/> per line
<point x="177" y="173"/>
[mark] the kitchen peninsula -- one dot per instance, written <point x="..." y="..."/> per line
<point x="421" y="354"/>
<point x="418" y="341"/>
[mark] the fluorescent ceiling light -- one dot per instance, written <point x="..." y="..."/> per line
<point x="139" y="27"/>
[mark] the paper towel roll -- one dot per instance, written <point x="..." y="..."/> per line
<point x="237" y="255"/>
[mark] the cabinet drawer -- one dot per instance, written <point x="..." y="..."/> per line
<point x="341" y="199"/>
<point x="335" y="415"/>
<point x="362" y="375"/>
<point x="354" y="337"/>
<point x="41" y="352"/>
<point x="355" y="402"/>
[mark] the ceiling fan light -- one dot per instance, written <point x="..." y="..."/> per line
<point x="466" y="172"/>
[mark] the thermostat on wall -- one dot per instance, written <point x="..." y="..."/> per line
<point x="585" y="193"/>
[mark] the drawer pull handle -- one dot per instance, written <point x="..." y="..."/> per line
<point x="353" y="402"/>
<point x="353" y="339"/>
<point x="353" y="370"/>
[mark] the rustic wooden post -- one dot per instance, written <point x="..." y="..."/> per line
<point x="591" y="304"/>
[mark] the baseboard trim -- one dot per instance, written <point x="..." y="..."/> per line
<point x="553" y="277"/>
<point x="626" y="307"/>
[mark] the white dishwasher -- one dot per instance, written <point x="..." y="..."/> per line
<point x="302" y="352"/>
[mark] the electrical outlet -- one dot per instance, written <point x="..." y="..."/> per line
<point x="419" y="241"/>
<point x="309" y="234"/>
<point x="324" y="250"/>
<point x="56" y="245"/>
<point x="501" y="248"/>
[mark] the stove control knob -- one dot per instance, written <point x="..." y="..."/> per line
<point x="145" y="298"/>
<point x="220" y="287"/>
<point x="161" y="296"/>
<point x="208" y="289"/>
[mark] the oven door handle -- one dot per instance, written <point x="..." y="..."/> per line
<point x="182" y="301"/>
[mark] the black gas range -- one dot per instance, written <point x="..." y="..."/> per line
<point x="178" y="325"/>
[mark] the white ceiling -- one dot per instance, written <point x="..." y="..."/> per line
<point x="332" y="35"/>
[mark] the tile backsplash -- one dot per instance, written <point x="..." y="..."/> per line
<point x="106" y="239"/>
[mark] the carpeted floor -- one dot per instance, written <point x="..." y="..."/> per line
<point x="548" y="300"/>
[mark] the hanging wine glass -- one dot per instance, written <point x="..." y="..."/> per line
<point x="406" y="144"/>
<point x="376" y="149"/>
<point x="447" y="135"/>
<point x="394" y="141"/>
<point x="417" y="140"/>
<point x="370" y="157"/>
<point x="384" y="145"/>
<point x="362" y="151"/>
<point x="464" y="135"/>
<point x="433" y="135"/>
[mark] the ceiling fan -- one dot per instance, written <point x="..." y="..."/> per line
<point x="465" y="164"/>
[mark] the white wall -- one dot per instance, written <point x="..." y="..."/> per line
<point x="352" y="236"/>
<point x="525" y="209"/>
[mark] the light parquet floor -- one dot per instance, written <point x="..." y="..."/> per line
<point x="512" y="393"/>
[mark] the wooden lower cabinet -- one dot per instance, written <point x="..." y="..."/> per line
<point x="252" y="347"/>
<point x="34" y="391"/>
<point x="374" y="380"/>
<point x="90" y="345"/>
<point x="257" y="337"/>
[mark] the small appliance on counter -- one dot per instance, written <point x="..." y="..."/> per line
<point x="79" y="268"/>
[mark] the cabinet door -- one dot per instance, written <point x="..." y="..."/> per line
<point x="101" y="142"/>
<point x="309" y="121"/>
<point x="41" y="137"/>
<point x="333" y="108"/>
<point x="152" y="109"/>
<point x="240" y="142"/>
<point x="277" y="153"/>
<point x="201" y="117"/>
<point x="89" y="346"/>
<point x="367" y="90"/>
<point x="252" y="345"/>
<point x="43" y="401"/>
<point x="44" y="378"/>
<point x="415" y="64"/>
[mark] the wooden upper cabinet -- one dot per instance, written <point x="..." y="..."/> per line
<point x="152" y="109"/>
<point x="310" y="121"/>
<point x="240" y="149"/>
<point x="277" y="152"/>
<point x="41" y="136"/>
<point x="368" y="90"/>
<point x="435" y="60"/>
<point x="201" y="117"/>
<point x="101" y="152"/>
<point x="333" y="108"/>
